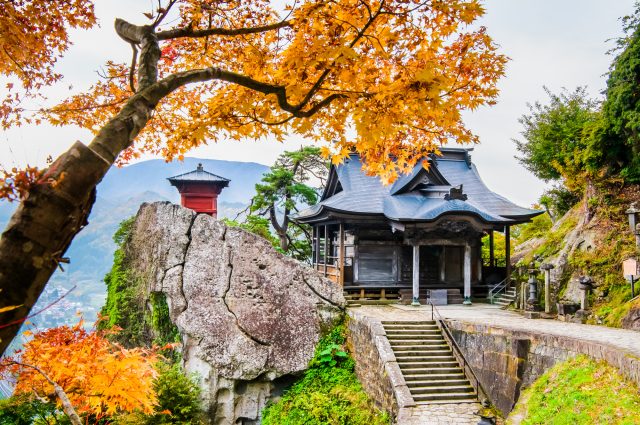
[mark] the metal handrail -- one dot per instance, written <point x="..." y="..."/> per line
<point x="497" y="289"/>
<point x="466" y="367"/>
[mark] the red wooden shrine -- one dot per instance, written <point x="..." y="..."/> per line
<point x="199" y="190"/>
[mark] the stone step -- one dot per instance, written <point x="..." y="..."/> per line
<point x="414" y="335"/>
<point x="445" y="351"/>
<point x="412" y="331"/>
<point x="443" y="396"/>
<point x="420" y="345"/>
<point x="420" y="326"/>
<point x="470" y="400"/>
<point x="425" y="371"/>
<point x="401" y="339"/>
<point x="443" y="389"/>
<point x="437" y="382"/>
<point x="427" y="359"/>
<point x="408" y="322"/>
<point x="458" y="375"/>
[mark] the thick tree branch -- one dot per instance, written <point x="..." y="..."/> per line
<point x="190" y="32"/>
<point x="149" y="49"/>
<point x="132" y="70"/>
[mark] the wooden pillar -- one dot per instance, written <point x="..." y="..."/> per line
<point x="443" y="264"/>
<point x="317" y="242"/>
<point x="341" y="254"/>
<point x="507" y="251"/>
<point x="416" y="275"/>
<point x="467" y="274"/>
<point x="492" y="256"/>
<point x="314" y="250"/>
<point x="326" y="248"/>
<point x="479" y="262"/>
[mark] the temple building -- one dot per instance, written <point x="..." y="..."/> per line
<point x="199" y="190"/>
<point x="420" y="234"/>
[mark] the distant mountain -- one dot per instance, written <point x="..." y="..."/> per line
<point x="119" y="196"/>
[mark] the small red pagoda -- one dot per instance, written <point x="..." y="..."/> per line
<point x="199" y="190"/>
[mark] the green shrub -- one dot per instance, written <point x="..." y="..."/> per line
<point x="580" y="391"/>
<point x="178" y="400"/>
<point x="26" y="410"/>
<point x="329" y="392"/>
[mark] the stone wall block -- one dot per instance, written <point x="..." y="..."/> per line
<point x="511" y="360"/>
<point x="376" y="364"/>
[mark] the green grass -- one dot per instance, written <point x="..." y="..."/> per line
<point x="329" y="393"/>
<point x="580" y="391"/>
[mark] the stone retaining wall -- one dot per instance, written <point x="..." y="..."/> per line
<point x="507" y="360"/>
<point x="376" y="365"/>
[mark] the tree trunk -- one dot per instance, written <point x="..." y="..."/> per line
<point x="45" y="223"/>
<point x="284" y="242"/>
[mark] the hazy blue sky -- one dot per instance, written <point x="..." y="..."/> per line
<point x="555" y="43"/>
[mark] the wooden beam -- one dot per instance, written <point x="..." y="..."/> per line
<point x="443" y="263"/>
<point x="507" y="250"/>
<point x="317" y="242"/>
<point x="416" y="275"/>
<point x="326" y="248"/>
<point x="492" y="256"/>
<point x="467" y="274"/>
<point x="341" y="254"/>
<point x="314" y="251"/>
<point x="479" y="260"/>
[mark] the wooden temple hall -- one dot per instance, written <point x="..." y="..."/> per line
<point x="421" y="234"/>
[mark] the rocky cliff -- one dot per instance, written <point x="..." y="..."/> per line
<point x="249" y="318"/>
<point x="593" y="239"/>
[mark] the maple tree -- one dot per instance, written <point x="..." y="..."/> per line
<point x="388" y="79"/>
<point x="84" y="373"/>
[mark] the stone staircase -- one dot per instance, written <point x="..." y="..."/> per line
<point x="506" y="298"/>
<point x="430" y="370"/>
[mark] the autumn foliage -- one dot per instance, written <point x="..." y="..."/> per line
<point x="100" y="378"/>
<point x="399" y="73"/>
<point x="388" y="79"/>
<point x="33" y="36"/>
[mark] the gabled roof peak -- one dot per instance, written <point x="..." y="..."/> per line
<point x="199" y="175"/>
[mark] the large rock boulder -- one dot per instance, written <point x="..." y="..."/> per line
<point x="248" y="316"/>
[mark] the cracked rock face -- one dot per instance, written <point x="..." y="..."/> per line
<point x="249" y="317"/>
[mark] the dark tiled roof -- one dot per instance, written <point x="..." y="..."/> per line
<point x="198" y="175"/>
<point x="408" y="200"/>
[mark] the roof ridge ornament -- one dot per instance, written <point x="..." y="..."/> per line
<point x="455" y="193"/>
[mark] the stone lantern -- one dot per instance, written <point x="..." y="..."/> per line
<point x="532" y="307"/>
<point x="634" y="223"/>
<point x="546" y="268"/>
<point x="586" y="283"/>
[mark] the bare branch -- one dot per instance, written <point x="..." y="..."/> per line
<point x="164" y="13"/>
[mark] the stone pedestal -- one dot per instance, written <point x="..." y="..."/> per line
<point x="532" y="314"/>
